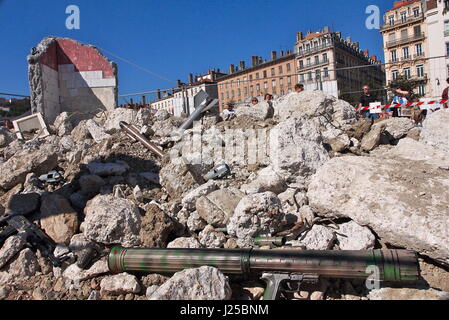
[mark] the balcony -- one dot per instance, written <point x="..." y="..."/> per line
<point x="402" y="41"/>
<point x="314" y="64"/>
<point x="303" y="52"/>
<point x="400" y="22"/>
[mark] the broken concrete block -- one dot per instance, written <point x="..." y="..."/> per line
<point x="97" y="132"/>
<point x="33" y="124"/>
<point x="119" y="284"/>
<point x="10" y="248"/>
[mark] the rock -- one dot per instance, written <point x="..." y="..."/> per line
<point x="256" y="215"/>
<point x="372" y="139"/>
<point x="150" y="291"/>
<point x="91" y="184"/>
<point x="189" y="201"/>
<point x="97" y="132"/>
<point x="205" y="283"/>
<point x="15" y="170"/>
<point x="119" y="284"/>
<point x="154" y="280"/>
<point x="80" y="132"/>
<point x="58" y="218"/>
<point x="162" y="115"/>
<point x="165" y="128"/>
<point x="261" y="111"/>
<point x="94" y="296"/>
<point x="111" y="220"/>
<point x="107" y="169"/>
<point x="63" y="125"/>
<point x="151" y="177"/>
<point x="315" y="104"/>
<point x="25" y="266"/>
<point x="6" y="137"/>
<point x="292" y="201"/>
<point x="435" y="276"/>
<point x="187" y="243"/>
<point x="267" y="180"/>
<point x="79" y="200"/>
<point x="317" y="238"/>
<point x="407" y="294"/>
<point x="296" y="149"/>
<point x="217" y="207"/>
<point x="435" y="130"/>
<point x="406" y="207"/>
<point x="76" y="274"/>
<point x="210" y="238"/>
<point x="10" y="248"/>
<point x="195" y="223"/>
<point x="306" y="214"/>
<point x="414" y="133"/>
<point x="38" y="295"/>
<point x="156" y="228"/>
<point x="3" y="293"/>
<point x="359" y="129"/>
<point x="340" y="143"/>
<point x="114" y="117"/>
<point x="396" y="127"/>
<point x="24" y="204"/>
<point x="351" y="236"/>
<point x="177" y="179"/>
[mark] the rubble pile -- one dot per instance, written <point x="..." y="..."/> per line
<point x="347" y="184"/>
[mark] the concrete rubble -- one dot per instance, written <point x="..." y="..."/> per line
<point x="348" y="184"/>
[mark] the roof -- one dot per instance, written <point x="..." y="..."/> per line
<point x="311" y="36"/>
<point x="400" y="4"/>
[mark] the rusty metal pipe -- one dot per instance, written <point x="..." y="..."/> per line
<point x="134" y="133"/>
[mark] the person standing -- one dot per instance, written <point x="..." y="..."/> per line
<point x="399" y="98"/>
<point x="365" y="101"/>
<point x="445" y="95"/>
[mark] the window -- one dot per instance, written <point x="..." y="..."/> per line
<point x="289" y="68"/>
<point x="232" y="93"/>
<point x="265" y="74"/>
<point x="395" y="74"/>
<point x="404" y="34"/>
<point x="246" y="91"/>
<point x="325" y="57"/>
<point x="309" y="76"/>
<point x="407" y="73"/>
<point x="289" y="80"/>
<point x="257" y="75"/>
<point x="421" y="90"/>
<point x="416" y="12"/>
<point x="318" y="75"/>
<point x="251" y="89"/>
<point x="258" y="87"/>
<point x="447" y="48"/>
<point x="394" y="56"/>
<point x="405" y="53"/>
<point x="273" y="84"/>
<point x="420" y="71"/>
<point x="391" y="19"/>
<point x="301" y="64"/>
<point x="446" y="28"/>
<point x="281" y="82"/>
<point x="250" y="77"/>
<point x="265" y="85"/>
<point x="419" y="52"/>
<point x="238" y="82"/>
<point x="417" y="31"/>
<point x="301" y="77"/>
<point x="326" y="72"/>
<point x="317" y="60"/>
<point x="404" y="16"/>
<point x="309" y="62"/>
<point x="227" y="94"/>
<point x="222" y="96"/>
<point x="273" y="72"/>
<point x="239" y="92"/>
<point x="280" y="70"/>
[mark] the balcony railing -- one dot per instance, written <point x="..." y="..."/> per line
<point x="314" y="64"/>
<point x="416" y="37"/>
<point x="400" y="22"/>
<point x="305" y="52"/>
<point x="409" y="58"/>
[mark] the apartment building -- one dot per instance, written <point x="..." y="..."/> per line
<point x="405" y="43"/>
<point x="275" y="76"/>
<point x="437" y="23"/>
<point x="327" y="62"/>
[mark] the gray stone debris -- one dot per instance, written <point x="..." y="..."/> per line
<point x="435" y="130"/>
<point x="205" y="283"/>
<point x="255" y="215"/>
<point x="189" y="201"/>
<point x="267" y="180"/>
<point x="97" y="132"/>
<point x="261" y="111"/>
<point x="371" y="140"/>
<point x="218" y="207"/>
<point x="111" y="220"/>
<point x="351" y="236"/>
<point x="407" y="294"/>
<point x="177" y="178"/>
<point x="10" y="248"/>
<point x="396" y="127"/>
<point x="91" y="184"/>
<point x="210" y="238"/>
<point x="63" y="125"/>
<point x="119" y="284"/>
<point x="195" y="223"/>
<point x="162" y="115"/>
<point x="317" y="238"/>
<point x="187" y="243"/>
<point x="24" y="266"/>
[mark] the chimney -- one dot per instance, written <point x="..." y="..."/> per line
<point x="366" y="53"/>
<point x="254" y="60"/>
<point x="289" y="52"/>
<point x="273" y="55"/>
<point x="213" y="75"/>
<point x="356" y="45"/>
<point x="338" y="34"/>
<point x="178" y="83"/>
<point x="282" y="53"/>
<point x="374" y="58"/>
<point x="144" y="100"/>
<point x="326" y="29"/>
<point x="242" y="65"/>
<point x="218" y="70"/>
<point x="299" y="36"/>
<point x="231" y="69"/>
<point x="190" y="78"/>
<point x="159" y="94"/>
<point x="260" y="60"/>
<point x="348" y="39"/>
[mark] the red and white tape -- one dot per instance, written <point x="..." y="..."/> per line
<point x="406" y="105"/>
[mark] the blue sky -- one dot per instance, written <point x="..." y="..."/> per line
<point x="173" y="38"/>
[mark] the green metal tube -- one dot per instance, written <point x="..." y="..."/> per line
<point x="391" y="265"/>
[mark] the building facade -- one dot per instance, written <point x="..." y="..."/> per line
<point x="405" y="40"/>
<point x="327" y="62"/>
<point x="437" y="22"/>
<point x="276" y="76"/>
